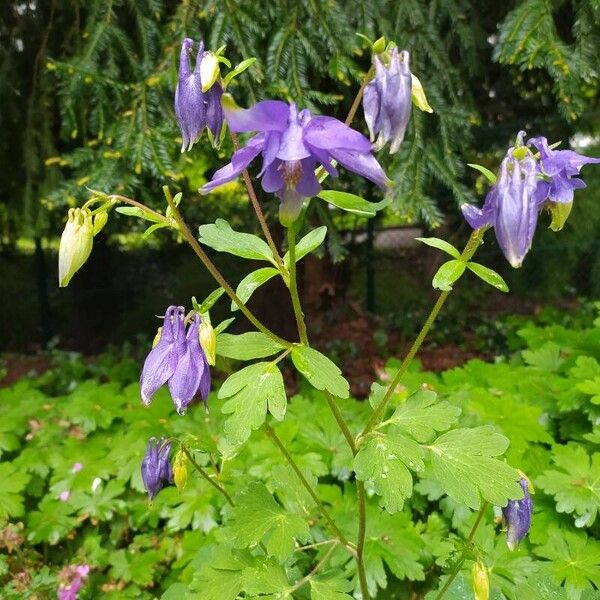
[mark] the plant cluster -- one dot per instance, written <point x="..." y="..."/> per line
<point x="386" y="447"/>
<point x="84" y="502"/>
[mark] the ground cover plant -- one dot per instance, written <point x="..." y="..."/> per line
<point x="318" y="496"/>
<point x="84" y="502"/>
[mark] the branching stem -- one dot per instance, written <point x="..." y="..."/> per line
<point x="193" y="242"/>
<point x="470" y="248"/>
<point x="334" y="528"/>
<point x="256" y="206"/>
<point x="463" y="554"/>
<point x="206" y="476"/>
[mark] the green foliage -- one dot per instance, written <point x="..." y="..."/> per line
<point x="439" y="451"/>
<point x="100" y="77"/>
<point x="320" y="371"/>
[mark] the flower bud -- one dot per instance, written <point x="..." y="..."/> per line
<point x="100" y="221"/>
<point x="209" y="70"/>
<point x="379" y="45"/>
<point x="75" y="244"/>
<point x="481" y="581"/>
<point x="517" y="515"/>
<point x="208" y="340"/>
<point x="418" y="95"/>
<point x="180" y="470"/>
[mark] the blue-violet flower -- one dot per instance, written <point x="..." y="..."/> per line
<point x="291" y="144"/>
<point x="156" y="468"/>
<point x="195" y="106"/>
<point x="517" y="514"/>
<point x="176" y="359"/>
<point x="560" y="168"/>
<point x="523" y="188"/>
<point x="387" y="101"/>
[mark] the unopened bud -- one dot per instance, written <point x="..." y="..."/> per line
<point x="418" y="95"/>
<point x="208" y="340"/>
<point x="100" y="221"/>
<point x="75" y="244"/>
<point x="379" y="45"/>
<point x="180" y="470"/>
<point x="209" y="71"/>
<point x="481" y="581"/>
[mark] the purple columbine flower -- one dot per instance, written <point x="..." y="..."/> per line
<point x="292" y="143"/>
<point x="387" y="101"/>
<point x="511" y="207"/>
<point x="156" y="468"/>
<point x="517" y="514"/>
<point x="560" y="168"/>
<point x="160" y="363"/>
<point x="196" y="109"/>
<point x="177" y="359"/>
<point x="523" y="188"/>
<point x="192" y="373"/>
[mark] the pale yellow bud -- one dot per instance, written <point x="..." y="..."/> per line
<point x="209" y="71"/>
<point x="100" y="221"/>
<point x="157" y="337"/>
<point x="180" y="470"/>
<point x="481" y="581"/>
<point x="208" y="341"/>
<point x="418" y="95"/>
<point x="75" y="244"/>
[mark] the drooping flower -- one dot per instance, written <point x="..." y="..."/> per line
<point x="160" y="363"/>
<point x="510" y="207"/>
<point x="517" y="514"/>
<point x="560" y="168"/>
<point x="198" y="95"/>
<point x="177" y="359"/>
<point x="192" y="373"/>
<point x="523" y="188"/>
<point x="76" y="244"/>
<point x="292" y="143"/>
<point x="387" y="100"/>
<point x="156" y="468"/>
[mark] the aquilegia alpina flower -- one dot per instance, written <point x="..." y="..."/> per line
<point x="197" y="96"/>
<point x="176" y="359"/>
<point x="523" y="188"/>
<point x="156" y="468"/>
<point x="517" y="514"/>
<point x="387" y="101"/>
<point x="292" y="143"/>
<point x="510" y="207"/>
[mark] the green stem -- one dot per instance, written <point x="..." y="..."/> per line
<point x="360" y="544"/>
<point x="472" y="245"/>
<point x="291" y="233"/>
<point x="256" y="206"/>
<point x="337" y="414"/>
<point x="334" y="528"/>
<point x="317" y="568"/>
<point x="193" y="242"/>
<point x="207" y="476"/>
<point x="463" y="554"/>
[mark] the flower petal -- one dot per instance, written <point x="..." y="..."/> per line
<point x="329" y="133"/>
<point x="239" y="161"/>
<point x="272" y="181"/>
<point x="160" y="362"/>
<point x="363" y="164"/>
<point x="268" y="115"/>
<point x="308" y="186"/>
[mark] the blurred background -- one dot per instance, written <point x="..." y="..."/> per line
<point x="86" y="91"/>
